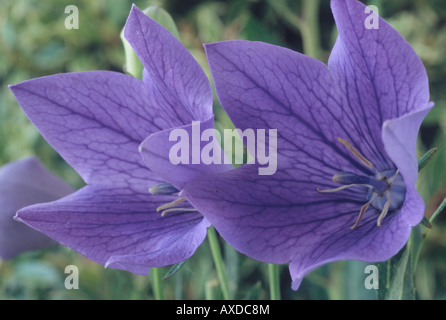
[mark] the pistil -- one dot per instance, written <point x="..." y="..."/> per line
<point x="381" y="186"/>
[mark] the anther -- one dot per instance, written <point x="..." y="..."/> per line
<point x="357" y="154"/>
<point x="163" y="189"/>
<point x="386" y="188"/>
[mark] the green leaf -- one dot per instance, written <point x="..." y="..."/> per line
<point x="439" y="210"/>
<point x="425" y="222"/>
<point x="385" y="274"/>
<point x="353" y="279"/>
<point x="132" y="64"/>
<point x="173" y="270"/>
<point x="416" y="243"/>
<point x="254" y="293"/>
<point x="419" y="235"/>
<point x="401" y="286"/>
<point x="163" y="18"/>
<point x="424" y="160"/>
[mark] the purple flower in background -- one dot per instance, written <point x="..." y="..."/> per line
<point x="97" y="121"/>
<point x="347" y="166"/>
<point x="22" y="183"/>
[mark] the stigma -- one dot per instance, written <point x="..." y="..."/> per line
<point x="386" y="189"/>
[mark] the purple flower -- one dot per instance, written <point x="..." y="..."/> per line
<point x="347" y="166"/>
<point x="22" y="183"/>
<point x="97" y="121"/>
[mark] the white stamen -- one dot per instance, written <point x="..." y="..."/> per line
<point x="390" y="180"/>
<point x="357" y="154"/>
<point x="363" y="210"/>
<point x="179" y="210"/>
<point x="379" y="186"/>
<point x="342" y="188"/>
<point x="384" y="211"/>
<point x="170" y="204"/>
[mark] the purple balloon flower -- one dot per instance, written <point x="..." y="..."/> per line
<point x="347" y="167"/>
<point x="98" y="121"/>
<point x="22" y="183"/>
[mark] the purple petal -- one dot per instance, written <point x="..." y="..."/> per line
<point x="379" y="73"/>
<point x="22" y="183"/>
<point x="399" y="137"/>
<point x="119" y="228"/>
<point x="278" y="218"/>
<point x="170" y="67"/>
<point x="96" y="121"/>
<point x="377" y="246"/>
<point x="377" y="66"/>
<point x="282" y="219"/>
<point x="365" y="99"/>
<point x="262" y="86"/>
<point x="268" y="87"/>
<point x="156" y="151"/>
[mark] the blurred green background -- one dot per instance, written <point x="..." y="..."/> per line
<point x="34" y="43"/>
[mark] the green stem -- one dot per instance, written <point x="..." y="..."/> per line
<point x="307" y="23"/>
<point x="424" y="160"/>
<point x="274" y="281"/>
<point x="209" y="290"/>
<point x="310" y="32"/>
<point x="420" y="238"/>
<point x="157" y="284"/>
<point x="438" y="211"/>
<point x="434" y="216"/>
<point x="219" y="265"/>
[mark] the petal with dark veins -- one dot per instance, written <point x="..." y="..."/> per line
<point x="22" y="183"/>
<point x="95" y="121"/>
<point x="379" y="74"/>
<point x="373" y="94"/>
<point x="170" y="67"/>
<point x="279" y="219"/>
<point x="156" y="151"/>
<point x="114" y="226"/>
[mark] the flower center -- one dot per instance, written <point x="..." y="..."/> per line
<point x="387" y="190"/>
<point x="168" y="189"/>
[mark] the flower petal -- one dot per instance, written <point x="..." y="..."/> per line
<point x="22" y="183"/>
<point x="282" y="218"/>
<point x="279" y="219"/>
<point x="399" y="137"/>
<point x="376" y="246"/>
<point x="170" y="67"/>
<point x="379" y="73"/>
<point x="104" y="223"/>
<point x="156" y="151"/>
<point x="96" y="121"/>
<point x="262" y="86"/>
<point x="379" y="64"/>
